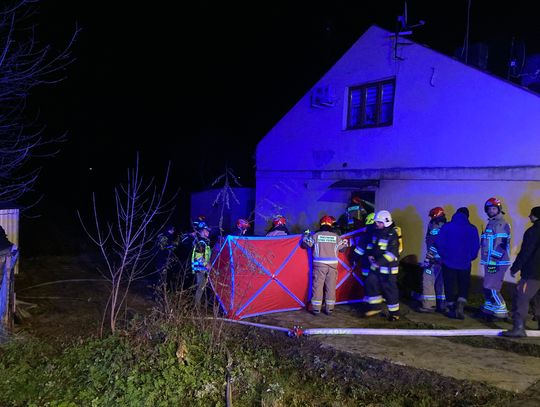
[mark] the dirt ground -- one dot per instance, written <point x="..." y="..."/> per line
<point x="62" y="297"/>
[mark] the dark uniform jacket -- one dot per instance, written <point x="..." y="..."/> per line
<point x="434" y="227"/>
<point x="384" y="248"/>
<point x="528" y="258"/>
<point x="363" y="244"/>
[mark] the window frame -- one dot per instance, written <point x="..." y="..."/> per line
<point x="379" y="104"/>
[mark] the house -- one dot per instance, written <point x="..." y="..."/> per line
<point x="410" y="128"/>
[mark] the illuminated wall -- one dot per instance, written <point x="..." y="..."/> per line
<point x="459" y="136"/>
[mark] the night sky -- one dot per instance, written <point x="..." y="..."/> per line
<point x="201" y="84"/>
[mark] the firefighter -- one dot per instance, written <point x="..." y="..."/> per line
<point x="355" y="215"/>
<point x="325" y="245"/>
<point x="372" y="295"/>
<point x="279" y="226"/>
<point x="242" y="226"/>
<point x="495" y="252"/>
<point x="432" y="279"/>
<point x="383" y="254"/>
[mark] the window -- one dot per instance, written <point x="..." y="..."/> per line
<point x="371" y="105"/>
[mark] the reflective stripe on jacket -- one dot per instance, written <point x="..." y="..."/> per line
<point x="495" y="242"/>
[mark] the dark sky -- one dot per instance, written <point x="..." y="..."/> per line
<point x="201" y="84"/>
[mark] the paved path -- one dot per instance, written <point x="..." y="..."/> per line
<point x="503" y="369"/>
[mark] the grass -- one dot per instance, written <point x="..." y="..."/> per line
<point x="169" y="357"/>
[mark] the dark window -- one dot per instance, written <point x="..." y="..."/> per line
<point x="371" y="105"/>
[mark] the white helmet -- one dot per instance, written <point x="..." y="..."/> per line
<point x="384" y="217"/>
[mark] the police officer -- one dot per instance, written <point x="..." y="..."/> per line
<point x="200" y="259"/>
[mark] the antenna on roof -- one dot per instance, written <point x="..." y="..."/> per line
<point x="466" y="40"/>
<point x="403" y="28"/>
<point x="517" y="59"/>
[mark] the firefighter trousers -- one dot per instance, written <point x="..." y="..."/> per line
<point x="324" y="286"/>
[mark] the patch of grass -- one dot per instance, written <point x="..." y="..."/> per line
<point x="165" y="363"/>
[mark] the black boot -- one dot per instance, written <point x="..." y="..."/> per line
<point x="518" y="331"/>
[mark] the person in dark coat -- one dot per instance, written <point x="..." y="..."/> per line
<point x="167" y="262"/>
<point x="457" y="244"/>
<point x="528" y="262"/>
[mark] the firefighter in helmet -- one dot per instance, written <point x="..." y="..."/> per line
<point x="325" y="244"/>
<point x="372" y="295"/>
<point x="242" y="226"/>
<point x="382" y="251"/>
<point x="495" y="257"/>
<point x="279" y="226"/>
<point x="433" y="298"/>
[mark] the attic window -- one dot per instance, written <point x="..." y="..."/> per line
<point x="371" y="105"/>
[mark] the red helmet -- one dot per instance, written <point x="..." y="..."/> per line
<point x="436" y="212"/>
<point x="279" y="220"/>
<point x="493" y="202"/>
<point x="327" y="220"/>
<point x="242" y="224"/>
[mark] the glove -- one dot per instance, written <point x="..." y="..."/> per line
<point x="491" y="268"/>
<point x="513" y="272"/>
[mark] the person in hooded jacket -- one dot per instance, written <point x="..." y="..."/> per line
<point x="528" y="263"/>
<point x="433" y="298"/>
<point x="495" y="249"/>
<point x="326" y="244"/>
<point x="457" y="245"/>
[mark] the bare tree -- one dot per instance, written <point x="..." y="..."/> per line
<point x="225" y="194"/>
<point x="24" y="64"/>
<point x="126" y="243"/>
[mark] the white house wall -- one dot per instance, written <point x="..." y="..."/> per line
<point x="445" y="114"/>
<point x="416" y="197"/>
<point x="304" y="201"/>
<point x="459" y="136"/>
